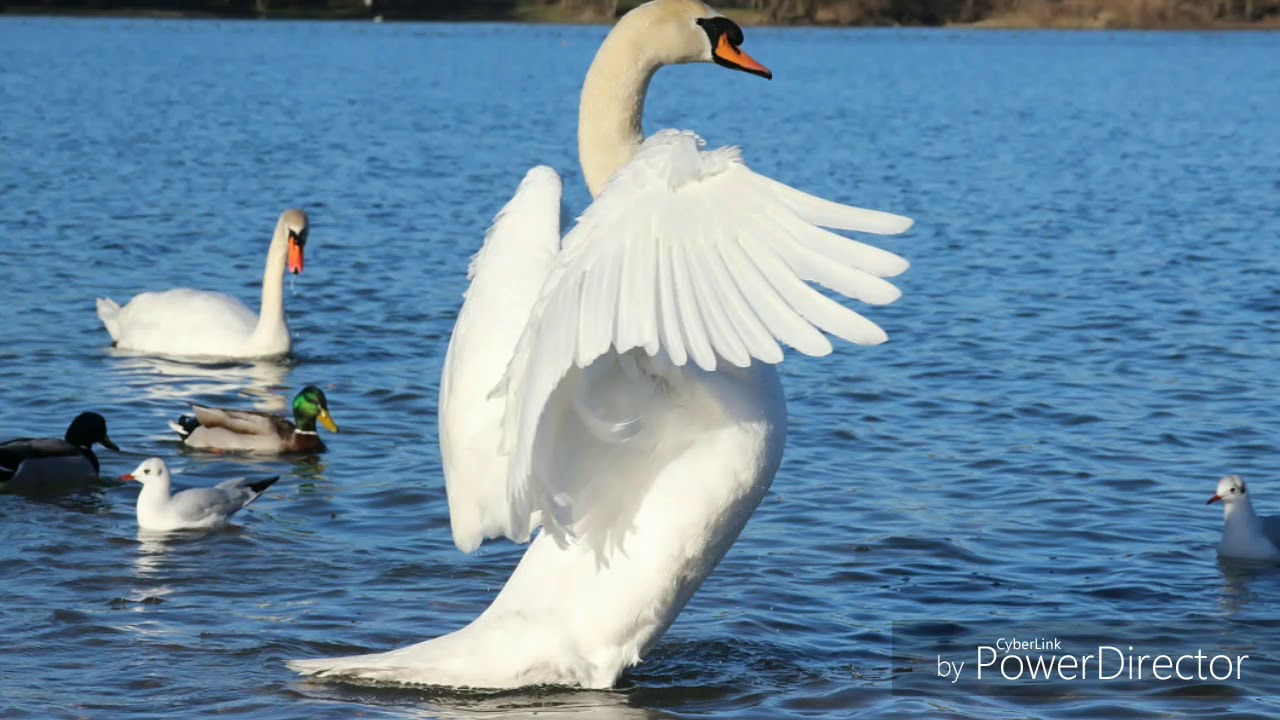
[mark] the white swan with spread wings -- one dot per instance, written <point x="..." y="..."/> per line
<point x="618" y="389"/>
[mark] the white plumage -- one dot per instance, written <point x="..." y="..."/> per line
<point x="198" y="323"/>
<point x="619" y="390"/>
<point x="506" y="276"/>
<point x="194" y="509"/>
<point x="640" y="273"/>
<point x="1245" y="535"/>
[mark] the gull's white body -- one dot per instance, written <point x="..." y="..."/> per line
<point x="194" y="509"/>
<point x="1245" y="534"/>
<point x="199" y="323"/>
<point x="618" y="388"/>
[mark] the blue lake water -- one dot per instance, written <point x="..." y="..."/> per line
<point x="1089" y="338"/>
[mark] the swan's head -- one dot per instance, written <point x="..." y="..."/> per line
<point x="150" y="470"/>
<point x="89" y="428"/>
<point x="294" y="224"/>
<point x="1231" y="489"/>
<point x="311" y="405"/>
<point x="688" y="31"/>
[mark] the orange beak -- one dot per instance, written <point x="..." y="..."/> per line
<point x="729" y="56"/>
<point x="295" y="257"/>
<point x="1214" y="499"/>
<point x="126" y="478"/>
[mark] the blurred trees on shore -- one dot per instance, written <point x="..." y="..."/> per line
<point x="1012" y="13"/>
<point x="1030" y="13"/>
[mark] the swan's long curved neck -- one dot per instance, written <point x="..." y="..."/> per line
<point x="271" y="312"/>
<point x="609" y="116"/>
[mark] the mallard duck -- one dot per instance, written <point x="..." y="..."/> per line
<point x="50" y="464"/>
<point x="222" y="429"/>
<point x="194" y="509"/>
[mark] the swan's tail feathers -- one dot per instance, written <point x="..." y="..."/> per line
<point x="184" y="426"/>
<point x="496" y="652"/>
<point x="109" y="314"/>
<point x="363" y="667"/>
<point x="441" y="661"/>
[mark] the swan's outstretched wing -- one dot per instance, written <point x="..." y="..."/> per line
<point x="691" y="255"/>
<point x="506" y="276"/>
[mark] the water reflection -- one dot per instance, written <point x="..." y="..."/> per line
<point x="159" y="550"/>
<point x="175" y="382"/>
<point x="441" y="703"/>
<point x="153" y="550"/>
<point x="1237" y="577"/>
<point x="554" y="704"/>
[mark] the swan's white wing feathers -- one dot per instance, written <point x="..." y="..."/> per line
<point x="506" y="276"/>
<point x="690" y="254"/>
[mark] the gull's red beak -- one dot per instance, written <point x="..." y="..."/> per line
<point x="126" y="478"/>
<point x="1214" y="499"/>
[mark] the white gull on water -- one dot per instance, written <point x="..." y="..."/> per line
<point x="1244" y="533"/>
<point x="194" y="509"/>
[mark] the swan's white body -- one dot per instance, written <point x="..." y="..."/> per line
<point x="199" y="323"/>
<point x="618" y="389"/>
<point x="1245" y="535"/>
<point x="194" y="509"/>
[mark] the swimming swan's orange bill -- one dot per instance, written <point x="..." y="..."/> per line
<point x="295" y="257"/>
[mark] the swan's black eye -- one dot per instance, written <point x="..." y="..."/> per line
<point x="717" y="26"/>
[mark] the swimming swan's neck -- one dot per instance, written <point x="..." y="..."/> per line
<point x="271" y="322"/>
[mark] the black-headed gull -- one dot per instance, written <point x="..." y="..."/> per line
<point x="1244" y="534"/>
<point x="50" y="464"/>
<point x="193" y="509"/>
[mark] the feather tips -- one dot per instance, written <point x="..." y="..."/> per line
<point x="689" y="254"/>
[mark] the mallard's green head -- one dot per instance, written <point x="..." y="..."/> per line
<point x="310" y="405"/>
<point x="89" y="428"/>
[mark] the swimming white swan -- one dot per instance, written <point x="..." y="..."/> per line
<point x="198" y="323"/>
<point x="627" y="375"/>
<point x="1244" y="534"/>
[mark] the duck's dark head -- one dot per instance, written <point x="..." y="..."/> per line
<point x="311" y="405"/>
<point x="89" y="428"/>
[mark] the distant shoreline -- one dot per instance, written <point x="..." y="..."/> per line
<point x="549" y="16"/>
<point x="1015" y="22"/>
